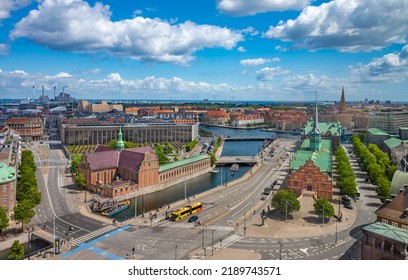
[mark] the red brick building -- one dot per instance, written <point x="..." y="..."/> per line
<point x="310" y="178"/>
<point x="116" y="173"/>
<point x="29" y="128"/>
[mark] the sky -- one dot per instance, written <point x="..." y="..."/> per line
<point x="259" y="50"/>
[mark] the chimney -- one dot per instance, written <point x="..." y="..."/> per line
<point x="43" y="91"/>
<point x="405" y="186"/>
<point x="393" y="196"/>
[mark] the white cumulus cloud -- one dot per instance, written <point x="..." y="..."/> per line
<point x="74" y="25"/>
<point x="347" y="25"/>
<point x="268" y="73"/>
<point x="247" y="7"/>
<point x="392" y="67"/>
<point x="8" y="6"/>
<point x="258" y="61"/>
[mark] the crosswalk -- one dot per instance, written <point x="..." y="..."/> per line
<point x="191" y="225"/>
<point x="92" y="235"/>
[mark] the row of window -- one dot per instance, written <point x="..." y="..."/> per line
<point x="5" y="188"/>
<point x="5" y="198"/>
<point x="395" y="224"/>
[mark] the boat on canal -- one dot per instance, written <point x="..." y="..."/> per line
<point x="234" y="167"/>
<point x="117" y="208"/>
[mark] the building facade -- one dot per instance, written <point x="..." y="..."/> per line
<point x="389" y="121"/>
<point x="182" y="168"/>
<point x="244" y="120"/>
<point x="310" y="178"/>
<point x="8" y="187"/>
<point x="137" y="133"/>
<point x="30" y="129"/>
<point x="384" y="242"/>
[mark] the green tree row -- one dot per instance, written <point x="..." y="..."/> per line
<point x="28" y="195"/>
<point x="214" y="151"/>
<point x="377" y="164"/>
<point x="346" y="179"/>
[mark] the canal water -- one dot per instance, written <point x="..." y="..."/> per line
<point x="150" y="202"/>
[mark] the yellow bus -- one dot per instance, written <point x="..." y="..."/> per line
<point x="186" y="211"/>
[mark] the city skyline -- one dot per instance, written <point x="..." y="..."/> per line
<point x="268" y="50"/>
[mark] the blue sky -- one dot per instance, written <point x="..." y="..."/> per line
<point x="268" y="50"/>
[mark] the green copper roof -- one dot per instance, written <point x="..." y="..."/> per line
<point x="7" y="173"/>
<point x="322" y="158"/>
<point x="324" y="127"/>
<point x="391" y="232"/>
<point x="378" y="132"/>
<point x="393" y="142"/>
<point x="182" y="162"/>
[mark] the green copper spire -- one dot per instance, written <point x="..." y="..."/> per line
<point x="120" y="144"/>
<point x="315" y="135"/>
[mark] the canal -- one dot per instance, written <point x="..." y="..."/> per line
<point x="189" y="188"/>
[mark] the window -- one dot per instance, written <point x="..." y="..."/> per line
<point x="4" y="198"/>
<point x="4" y="188"/>
<point x="11" y="197"/>
<point x="395" y="224"/>
<point x="405" y="227"/>
<point x="384" y="221"/>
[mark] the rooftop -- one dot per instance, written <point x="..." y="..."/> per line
<point x="388" y="231"/>
<point x="182" y="162"/>
<point x="322" y="158"/>
<point x="393" y="142"/>
<point x="7" y="173"/>
<point x="333" y="127"/>
<point x="378" y="132"/>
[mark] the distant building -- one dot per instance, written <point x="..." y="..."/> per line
<point x="31" y="129"/>
<point x="245" y="120"/>
<point x="103" y="107"/>
<point x="132" y="111"/>
<point x="8" y="187"/>
<point x="360" y="121"/>
<point x="216" y="117"/>
<point x="389" y="121"/>
<point x="88" y="134"/>
<point x="63" y="97"/>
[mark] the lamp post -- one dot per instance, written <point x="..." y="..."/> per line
<point x="280" y="250"/>
<point x="29" y="240"/>
<point x="185" y="189"/>
<point x="136" y="209"/>
<point x="202" y="243"/>
<point x="133" y="251"/>
<point x="323" y="216"/>
<point x="336" y="232"/>
<point x="175" y="252"/>
<point x="286" y="210"/>
<point x="244" y="223"/>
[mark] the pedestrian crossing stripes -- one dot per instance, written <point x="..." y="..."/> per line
<point x="91" y="235"/>
<point x="190" y="225"/>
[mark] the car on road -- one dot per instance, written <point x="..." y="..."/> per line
<point x="348" y="206"/>
<point x="193" y="219"/>
<point x="263" y="197"/>
<point x="346" y="198"/>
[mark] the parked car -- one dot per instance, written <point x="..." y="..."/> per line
<point x="346" y="198"/>
<point x="193" y="219"/>
<point x="348" y="206"/>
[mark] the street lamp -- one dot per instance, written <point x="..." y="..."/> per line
<point x="175" y="252"/>
<point x="29" y="239"/>
<point x="133" y="251"/>
<point x="336" y="231"/>
<point x="244" y="223"/>
<point x="280" y="250"/>
<point x="202" y="243"/>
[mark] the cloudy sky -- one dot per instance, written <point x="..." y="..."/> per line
<point x="265" y="50"/>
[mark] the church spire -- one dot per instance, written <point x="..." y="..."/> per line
<point x="316" y="120"/>
<point x="315" y="134"/>
<point x="120" y="144"/>
<point x="342" y="101"/>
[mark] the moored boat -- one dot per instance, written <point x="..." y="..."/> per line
<point x="119" y="207"/>
<point x="234" y="167"/>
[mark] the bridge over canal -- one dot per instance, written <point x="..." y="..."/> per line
<point x="226" y="160"/>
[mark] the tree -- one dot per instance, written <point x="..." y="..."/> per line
<point x="286" y="202"/>
<point x="80" y="180"/>
<point x="17" y="251"/>
<point x="76" y="159"/>
<point x="4" y="220"/>
<point x="323" y="208"/>
<point x="24" y="212"/>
